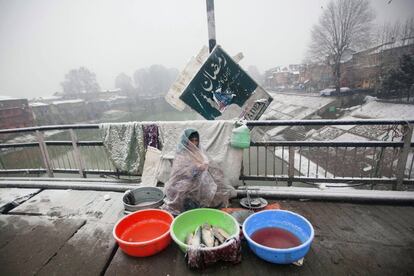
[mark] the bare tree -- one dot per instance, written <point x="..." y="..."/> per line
<point x="390" y="32"/>
<point x="79" y="81"/>
<point x="407" y="30"/>
<point x="124" y="82"/>
<point x="343" y="25"/>
<point x="155" y="80"/>
<point x="387" y="32"/>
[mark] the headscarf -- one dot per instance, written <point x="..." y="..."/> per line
<point x="185" y="139"/>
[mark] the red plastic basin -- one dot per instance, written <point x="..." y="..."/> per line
<point x="144" y="233"/>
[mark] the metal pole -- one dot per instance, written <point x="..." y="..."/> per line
<point x="347" y="195"/>
<point x="45" y="154"/>
<point x="115" y="187"/>
<point x="291" y="169"/>
<point x="78" y="158"/>
<point x="402" y="159"/>
<point x="2" y="164"/>
<point x="211" y="25"/>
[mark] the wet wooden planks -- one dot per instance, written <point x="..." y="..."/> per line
<point x="172" y="262"/>
<point x="382" y="224"/>
<point x="77" y="225"/>
<point x="321" y="260"/>
<point x="368" y="258"/>
<point x="361" y="239"/>
<point x="27" y="243"/>
<point x="90" y="246"/>
<point x="8" y="195"/>
<point x="86" y="253"/>
<point x="163" y="263"/>
<point x="73" y="203"/>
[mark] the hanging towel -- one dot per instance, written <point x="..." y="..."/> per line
<point x="151" y="135"/>
<point x="151" y="167"/>
<point x="124" y="145"/>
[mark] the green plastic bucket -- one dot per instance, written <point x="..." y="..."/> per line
<point x="188" y="221"/>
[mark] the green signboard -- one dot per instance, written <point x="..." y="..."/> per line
<point x="222" y="90"/>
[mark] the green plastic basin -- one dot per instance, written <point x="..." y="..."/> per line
<point x="188" y="221"/>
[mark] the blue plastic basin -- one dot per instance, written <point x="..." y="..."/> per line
<point x="290" y="221"/>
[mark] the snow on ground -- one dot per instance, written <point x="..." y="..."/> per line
<point x="383" y="110"/>
<point x="349" y="137"/>
<point x="296" y="107"/>
<point x="370" y="110"/>
<point x="300" y="100"/>
<point x="380" y="110"/>
<point x="327" y="133"/>
<point x="346" y="118"/>
<point x="302" y="165"/>
<point x="293" y="107"/>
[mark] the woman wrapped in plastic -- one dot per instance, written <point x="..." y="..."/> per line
<point x="194" y="181"/>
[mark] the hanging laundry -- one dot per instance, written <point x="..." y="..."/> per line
<point x="124" y="145"/>
<point x="151" y="136"/>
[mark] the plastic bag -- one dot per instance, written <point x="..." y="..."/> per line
<point x="194" y="181"/>
<point x="199" y="258"/>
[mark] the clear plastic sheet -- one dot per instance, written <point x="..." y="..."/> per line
<point x="194" y="180"/>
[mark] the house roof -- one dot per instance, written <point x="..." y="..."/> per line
<point x="388" y="46"/>
<point x="6" y="98"/>
<point x="68" y="101"/>
<point x="38" y="104"/>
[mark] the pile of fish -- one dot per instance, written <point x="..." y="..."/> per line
<point x="207" y="236"/>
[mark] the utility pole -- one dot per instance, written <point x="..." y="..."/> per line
<point x="211" y="25"/>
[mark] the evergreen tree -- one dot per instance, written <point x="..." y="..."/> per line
<point x="399" y="81"/>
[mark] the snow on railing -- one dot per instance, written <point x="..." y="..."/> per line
<point x="347" y="163"/>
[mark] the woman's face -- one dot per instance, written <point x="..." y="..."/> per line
<point x="194" y="141"/>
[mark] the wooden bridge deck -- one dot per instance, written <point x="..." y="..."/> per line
<point x="69" y="232"/>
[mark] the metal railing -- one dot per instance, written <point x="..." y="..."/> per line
<point x="56" y="156"/>
<point x="352" y="163"/>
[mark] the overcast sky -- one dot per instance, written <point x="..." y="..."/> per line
<point x="41" y="40"/>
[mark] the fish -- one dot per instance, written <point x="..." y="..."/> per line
<point x="216" y="242"/>
<point x="196" y="239"/>
<point x="223" y="233"/>
<point x="218" y="236"/>
<point x="207" y="235"/>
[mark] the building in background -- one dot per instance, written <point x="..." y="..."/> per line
<point x="15" y="113"/>
<point x="284" y="77"/>
<point x="367" y="67"/>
